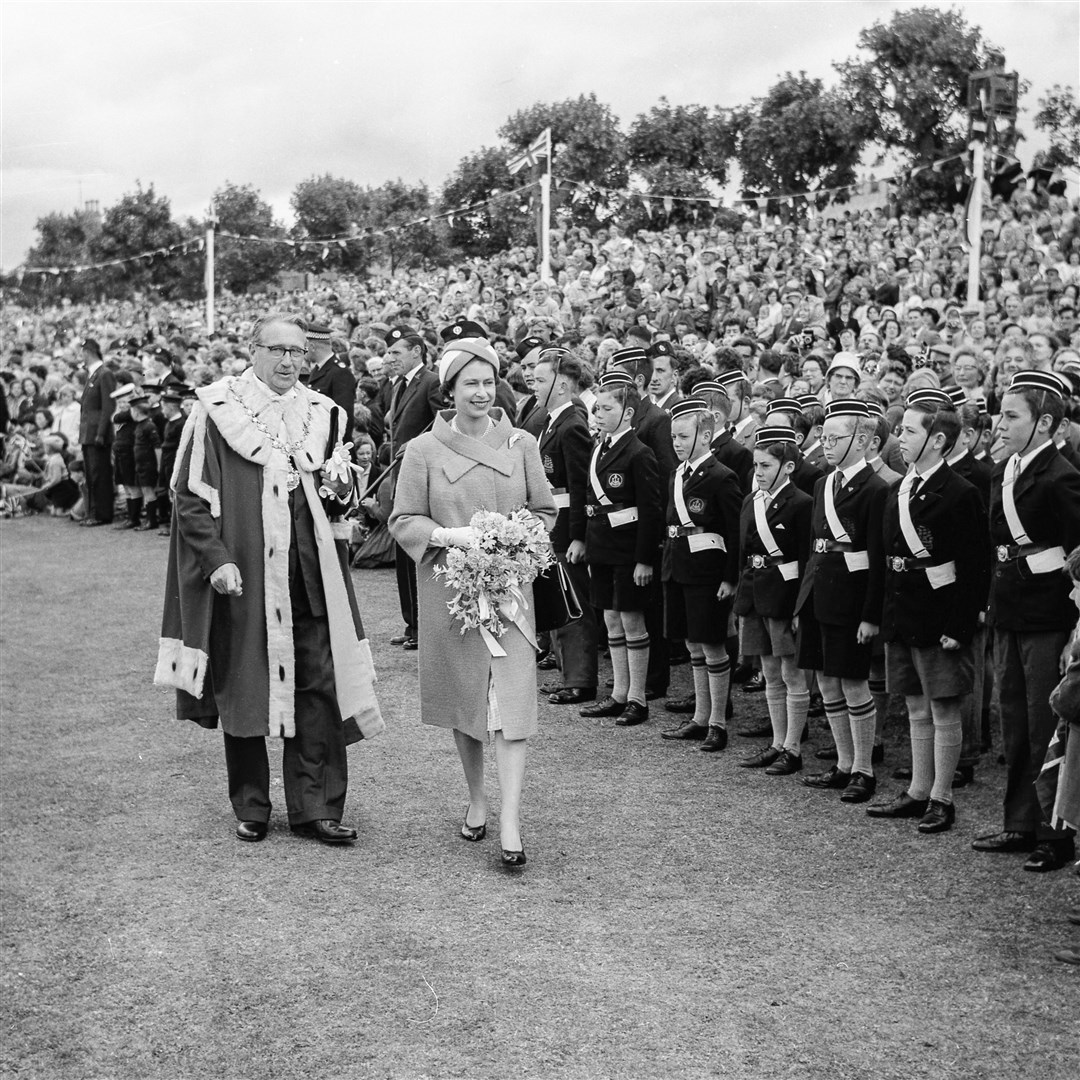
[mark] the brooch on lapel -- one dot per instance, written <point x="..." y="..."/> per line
<point x="514" y="438"/>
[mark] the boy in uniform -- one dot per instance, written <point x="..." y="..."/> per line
<point x="773" y="551"/>
<point x="937" y="576"/>
<point x="147" y="453"/>
<point x="840" y="597"/>
<point x="171" y="401"/>
<point x="701" y="567"/>
<point x="624" y="512"/>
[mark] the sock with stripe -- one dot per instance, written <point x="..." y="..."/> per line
<point x="637" y="658"/>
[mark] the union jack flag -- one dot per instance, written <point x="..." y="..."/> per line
<point x="537" y="149"/>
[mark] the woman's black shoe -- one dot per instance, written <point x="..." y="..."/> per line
<point x="513" y="858"/>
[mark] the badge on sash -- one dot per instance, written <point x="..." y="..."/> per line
<point x="696" y="506"/>
<point x="616" y="479"/>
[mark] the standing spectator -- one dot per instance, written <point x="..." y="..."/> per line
<point x="95" y="435"/>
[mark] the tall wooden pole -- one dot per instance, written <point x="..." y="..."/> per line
<point x="211" y="221"/>
<point x="545" y="216"/>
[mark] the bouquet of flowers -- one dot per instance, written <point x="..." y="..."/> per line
<point x="505" y="553"/>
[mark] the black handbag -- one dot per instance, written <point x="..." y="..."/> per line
<point x="555" y="600"/>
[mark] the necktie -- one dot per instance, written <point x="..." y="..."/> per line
<point x="838" y="483"/>
<point x="915" y="485"/>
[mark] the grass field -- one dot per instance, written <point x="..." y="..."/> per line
<point x="679" y="917"/>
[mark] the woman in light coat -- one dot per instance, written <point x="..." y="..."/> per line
<point x="472" y="459"/>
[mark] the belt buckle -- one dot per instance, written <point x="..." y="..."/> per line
<point x="820" y="546"/>
<point x="673" y="531"/>
<point x="1002" y="553"/>
<point x="897" y="563"/>
<point x="590" y="510"/>
<point x="757" y="562"/>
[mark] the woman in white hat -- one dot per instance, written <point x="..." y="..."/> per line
<point x="472" y="459"/>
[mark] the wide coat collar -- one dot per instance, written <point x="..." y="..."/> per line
<point x="490" y="450"/>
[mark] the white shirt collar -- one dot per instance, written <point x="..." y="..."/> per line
<point x="410" y="375"/>
<point x="558" y="412"/>
<point x="1030" y="456"/>
<point x="851" y="471"/>
<point x="743" y="424"/>
<point x="615" y="438"/>
<point x="770" y="495"/>
<point x="659" y="401"/>
<point x="691" y="467"/>
<point x="93" y="367"/>
<point x="924" y="476"/>
<point x="958" y="456"/>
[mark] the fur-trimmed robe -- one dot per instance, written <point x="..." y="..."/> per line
<point x="232" y="506"/>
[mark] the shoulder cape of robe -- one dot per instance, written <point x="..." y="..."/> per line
<point x="238" y="514"/>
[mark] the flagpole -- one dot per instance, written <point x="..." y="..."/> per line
<point x="974" y="221"/>
<point x="545" y="216"/>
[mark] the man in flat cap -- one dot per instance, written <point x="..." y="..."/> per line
<point x="330" y="375"/>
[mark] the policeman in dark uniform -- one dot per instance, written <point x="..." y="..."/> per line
<point x="331" y="376"/>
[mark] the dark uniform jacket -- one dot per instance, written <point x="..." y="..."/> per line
<point x="806" y="475"/>
<point x="628" y="477"/>
<point x="976" y="472"/>
<point x="736" y="457"/>
<point x="170" y="443"/>
<point x="653" y="427"/>
<point x="565" y="450"/>
<point x="413" y="407"/>
<point x="763" y="589"/>
<point x="950" y="519"/>
<point x="1047" y="497"/>
<point x="844" y="597"/>
<point x="95" y="420"/>
<point x="712" y="500"/>
<point x="336" y="380"/>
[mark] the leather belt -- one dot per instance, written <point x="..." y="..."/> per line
<point x="1012" y="552"/>
<point x="596" y="510"/>
<point x="821" y="546"/>
<point x="901" y="564"/>
<point x="761" y="562"/>
<point x="674" y="531"/>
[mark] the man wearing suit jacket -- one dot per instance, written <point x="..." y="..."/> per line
<point x="840" y="598"/>
<point x="330" y="376"/>
<point x="532" y="415"/>
<point x="415" y="399"/>
<point x="663" y="383"/>
<point x="936" y="582"/>
<point x="1034" y="524"/>
<point x="95" y="435"/>
<point x="565" y="449"/>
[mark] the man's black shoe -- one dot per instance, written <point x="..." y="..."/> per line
<point x="686" y="704"/>
<point x="687" y="731"/>
<point x="755" y="684"/>
<point x="1050" y="855"/>
<point x="329" y="832"/>
<point x="860" y="788"/>
<point x="410" y="644"/>
<point x="252" y="831"/>
<point x="831" y="779"/>
<point x="1005" y="842"/>
<point x="400" y="639"/>
<point x="761" y="759"/>
<point x="633" y="714"/>
<point x="715" y="740"/>
<point x="939" y="817"/>
<point x="607" y="707"/>
<point x="903" y="806"/>
<point x="572" y="695"/>
<point x="785" y="765"/>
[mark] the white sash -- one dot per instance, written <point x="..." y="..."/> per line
<point x="594" y="479"/>
<point x="1012" y="518"/>
<point x="680" y="500"/>
<point x="706" y="542"/>
<point x="788" y="570"/>
<point x="562" y="499"/>
<point x="854" y="560"/>
<point x="938" y="576"/>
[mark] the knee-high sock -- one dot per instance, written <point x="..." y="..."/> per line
<point x="860" y="708"/>
<point x="620" y="669"/>
<point x="922" y="751"/>
<point x="718" y="667"/>
<point x="798" y="702"/>
<point x="775" y="699"/>
<point x="948" y="742"/>
<point x="637" y="659"/>
<point x="702" y="706"/>
<point x="836" y="713"/>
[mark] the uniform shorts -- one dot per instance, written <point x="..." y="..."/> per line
<point x="929" y="671"/>
<point x="693" y="613"/>
<point x="760" y="635"/>
<point x="832" y="650"/>
<point x="124" y="464"/>
<point x="612" y="588"/>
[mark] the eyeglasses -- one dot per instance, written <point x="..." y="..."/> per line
<point x="281" y="352"/>
<point x="829" y="441"/>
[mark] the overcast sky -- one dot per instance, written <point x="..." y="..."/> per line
<point x="189" y="95"/>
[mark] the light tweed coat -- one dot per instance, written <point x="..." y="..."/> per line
<point x="445" y="478"/>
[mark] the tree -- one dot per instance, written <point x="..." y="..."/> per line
<point x="402" y="214"/>
<point x="328" y="206"/>
<point x="64" y="240"/>
<point x="483" y="178"/>
<point x="140" y="224"/>
<point x="690" y="138"/>
<point x="1059" y="116"/>
<point x="240" y="265"/>
<point x="588" y="145"/>
<point x="798" y="137"/>
<point x="910" y="93"/>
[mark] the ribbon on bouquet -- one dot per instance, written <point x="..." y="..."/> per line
<point x="512" y="609"/>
